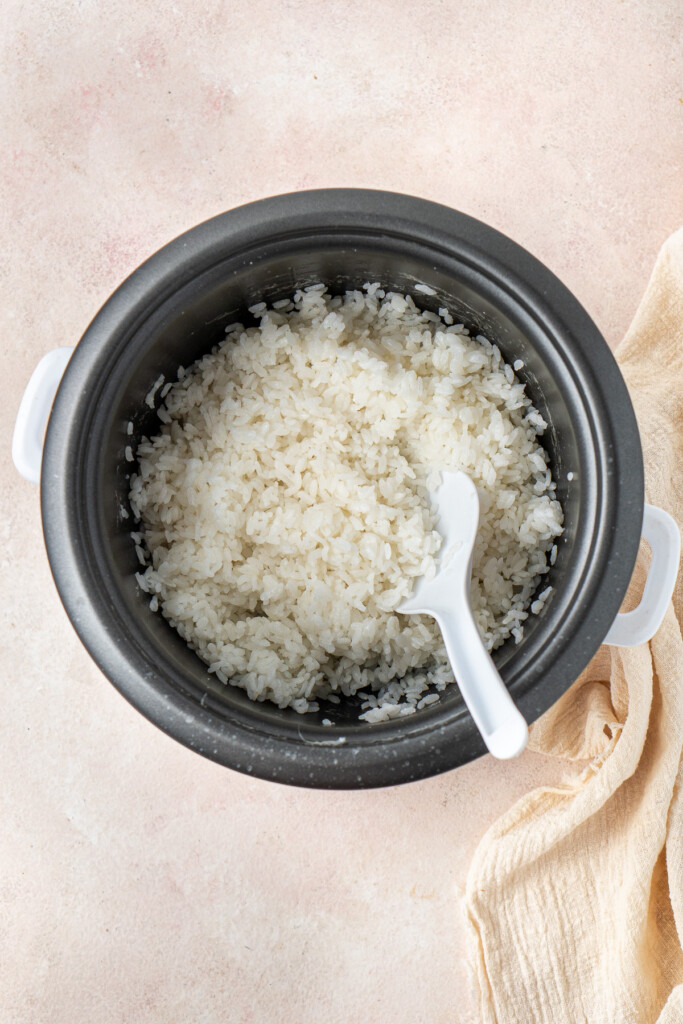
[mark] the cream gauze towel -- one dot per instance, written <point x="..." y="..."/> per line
<point x="575" y="896"/>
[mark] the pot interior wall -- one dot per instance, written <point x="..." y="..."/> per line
<point x="187" y="323"/>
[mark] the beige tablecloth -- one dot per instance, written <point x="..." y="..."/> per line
<point x="575" y="896"/>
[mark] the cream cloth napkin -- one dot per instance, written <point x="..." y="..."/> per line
<point x="575" y="896"/>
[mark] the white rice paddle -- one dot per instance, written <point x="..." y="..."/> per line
<point x="447" y="598"/>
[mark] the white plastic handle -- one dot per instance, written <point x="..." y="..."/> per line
<point x="661" y="532"/>
<point x="34" y="412"/>
<point x="501" y="724"/>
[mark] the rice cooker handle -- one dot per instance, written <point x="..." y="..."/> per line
<point x="34" y="412"/>
<point x="661" y="532"/>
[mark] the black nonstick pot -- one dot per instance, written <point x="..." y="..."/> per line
<point x="174" y="309"/>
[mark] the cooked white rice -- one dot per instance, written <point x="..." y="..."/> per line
<point x="285" y="507"/>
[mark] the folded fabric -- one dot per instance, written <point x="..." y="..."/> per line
<point x="575" y="896"/>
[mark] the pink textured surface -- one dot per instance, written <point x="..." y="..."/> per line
<point x="139" y="883"/>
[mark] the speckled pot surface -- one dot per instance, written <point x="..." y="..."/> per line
<point x="174" y="308"/>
